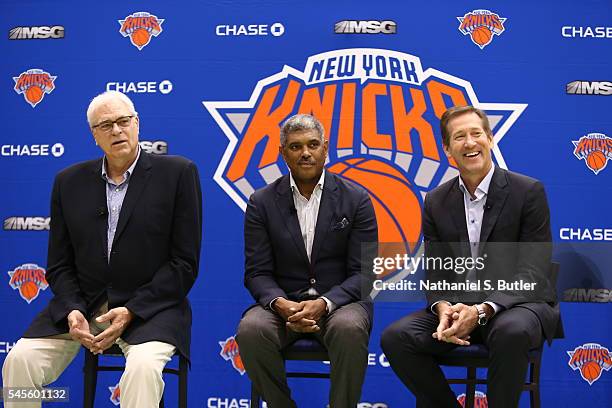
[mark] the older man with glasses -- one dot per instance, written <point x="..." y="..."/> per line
<point x="124" y="249"/>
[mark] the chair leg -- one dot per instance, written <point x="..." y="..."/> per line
<point x="470" y="387"/>
<point x="255" y="397"/>
<point x="182" y="391"/>
<point x="534" y="379"/>
<point x="90" y="378"/>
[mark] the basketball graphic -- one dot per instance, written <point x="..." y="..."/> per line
<point x="34" y="84"/>
<point x="590" y="371"/>
<point x="481" y="25"/>
<point x="34" y="94"/>
<point x="482" y="36"/>
<point x="596" y="160"/>
<point x="140" y="37"/>
<point x="29" y="279"/>
<point x="28" y="290"/>
<point x="595" y="149"/>
<point x="397" y="207"/>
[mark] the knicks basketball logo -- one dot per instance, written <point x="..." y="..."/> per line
<point x="29" y="280"/>
<point x="34" y="84"/>
<point x="481" y="25"/>
<point x="381" y="113"/>
<point x="230" y="352"/>
<point x="141" y="27"/>
<point x="115" y="394"/>
<point x="595" y="149"/>
<point x="590" y="359"/>
<point x="480" y="400"/>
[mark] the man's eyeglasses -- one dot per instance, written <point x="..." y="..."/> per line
<point x="107" y="125"/>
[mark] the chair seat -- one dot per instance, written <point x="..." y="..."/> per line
<point x="305" y="349"/>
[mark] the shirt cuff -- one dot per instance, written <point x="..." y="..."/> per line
<point x="496" y="308"/>
<point x="271" y="305"/>
<point x="433" y="307"/>
<point x="331" y="306"/>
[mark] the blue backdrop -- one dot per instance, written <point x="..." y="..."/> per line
<point x="213" y="80"/>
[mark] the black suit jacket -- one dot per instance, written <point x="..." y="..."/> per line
<point x="154" y="257"/>
<point x="276" y="262"/>
<point x="516" y="211"/>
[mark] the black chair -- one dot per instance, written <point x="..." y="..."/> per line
<point x="308" y="349"/>
<point x="477" y="356"/>
<point x="91" y="368"/>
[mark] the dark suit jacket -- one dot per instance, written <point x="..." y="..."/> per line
<point x="154" y="257"/>
<point x="516" y="211"/>
<point x="276" y="262"/>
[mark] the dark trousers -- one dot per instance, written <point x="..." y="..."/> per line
<point x="262" y="334"/>
<point x="410" y="349"/>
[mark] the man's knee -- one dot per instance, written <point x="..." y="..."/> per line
<point x="350" y="327"/>
<point x="143" y="366"/>
<point x="253" y="330"/>
<point x="392" y="339"/>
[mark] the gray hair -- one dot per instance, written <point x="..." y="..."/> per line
<point x="298" y="123"/>
<point x="105" y="97"/>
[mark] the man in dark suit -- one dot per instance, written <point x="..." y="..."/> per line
<point x="124" y="249"/>
<point x="308" y="268"/>
<point x="462" y="217"/>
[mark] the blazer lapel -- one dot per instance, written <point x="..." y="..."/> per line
<point x="137" y="183"/>
<point x="288" y="213"/>
<point x="98" y="193"/>
<point x="329" y="201"/>
<point x="457" y="210"/>
<point x="496" y="198"/>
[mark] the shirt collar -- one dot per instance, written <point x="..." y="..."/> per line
<point x="319" y="185"/>
<point x="483" y="187"/>
<point x="127" y="173"/>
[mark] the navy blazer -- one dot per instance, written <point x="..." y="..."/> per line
<point x="154" y="257"/>
<point x="276" y="262"/>
<point x="516" y="211"/>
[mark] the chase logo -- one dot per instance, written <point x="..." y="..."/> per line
<point x="595" y="149"/>
<point x="590" y="359"/>
<point x="34" y="84"/>
<point x="481" y="25"/>
<point x="29" y="280"/>
<point x="141" y="27"/>
<point x="381" y="112"/>
<point x="230" y="352"/>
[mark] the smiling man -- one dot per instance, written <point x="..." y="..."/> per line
<point x="483" y="204"/>
<point x="124" y="248"/>
<point x="305" y="267"/>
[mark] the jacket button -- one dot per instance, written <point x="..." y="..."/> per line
<point x="313" y="281"/>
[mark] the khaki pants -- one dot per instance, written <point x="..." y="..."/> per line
<point x="35" y="363"/>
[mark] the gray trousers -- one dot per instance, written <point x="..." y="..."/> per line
<point x="345" y="333"/>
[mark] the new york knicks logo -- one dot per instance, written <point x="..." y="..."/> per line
<point x="481" y="26"/>
<point x="590" y="359"/>
<point x="230" y="352"/>
<point x="595" y="149"/>
<point x="141" y="27"/>
<point x="480" y="400"/>
<point x="29" y="280"/>
<point x="34" y="84"/>
<point x="115" y="394"/>
<point x="381" y="113"/>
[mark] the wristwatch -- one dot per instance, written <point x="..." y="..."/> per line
<point x="482" y="316"/>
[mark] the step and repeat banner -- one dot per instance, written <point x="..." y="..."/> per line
<point x="213" y="81"/>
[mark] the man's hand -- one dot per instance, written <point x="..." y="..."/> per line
<point x="286" y="308"/>
<point x="79" y="329"/>
<point x="305" y="321"/>
<point x="119" y="318"/>
<point x="464" y="321"/>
